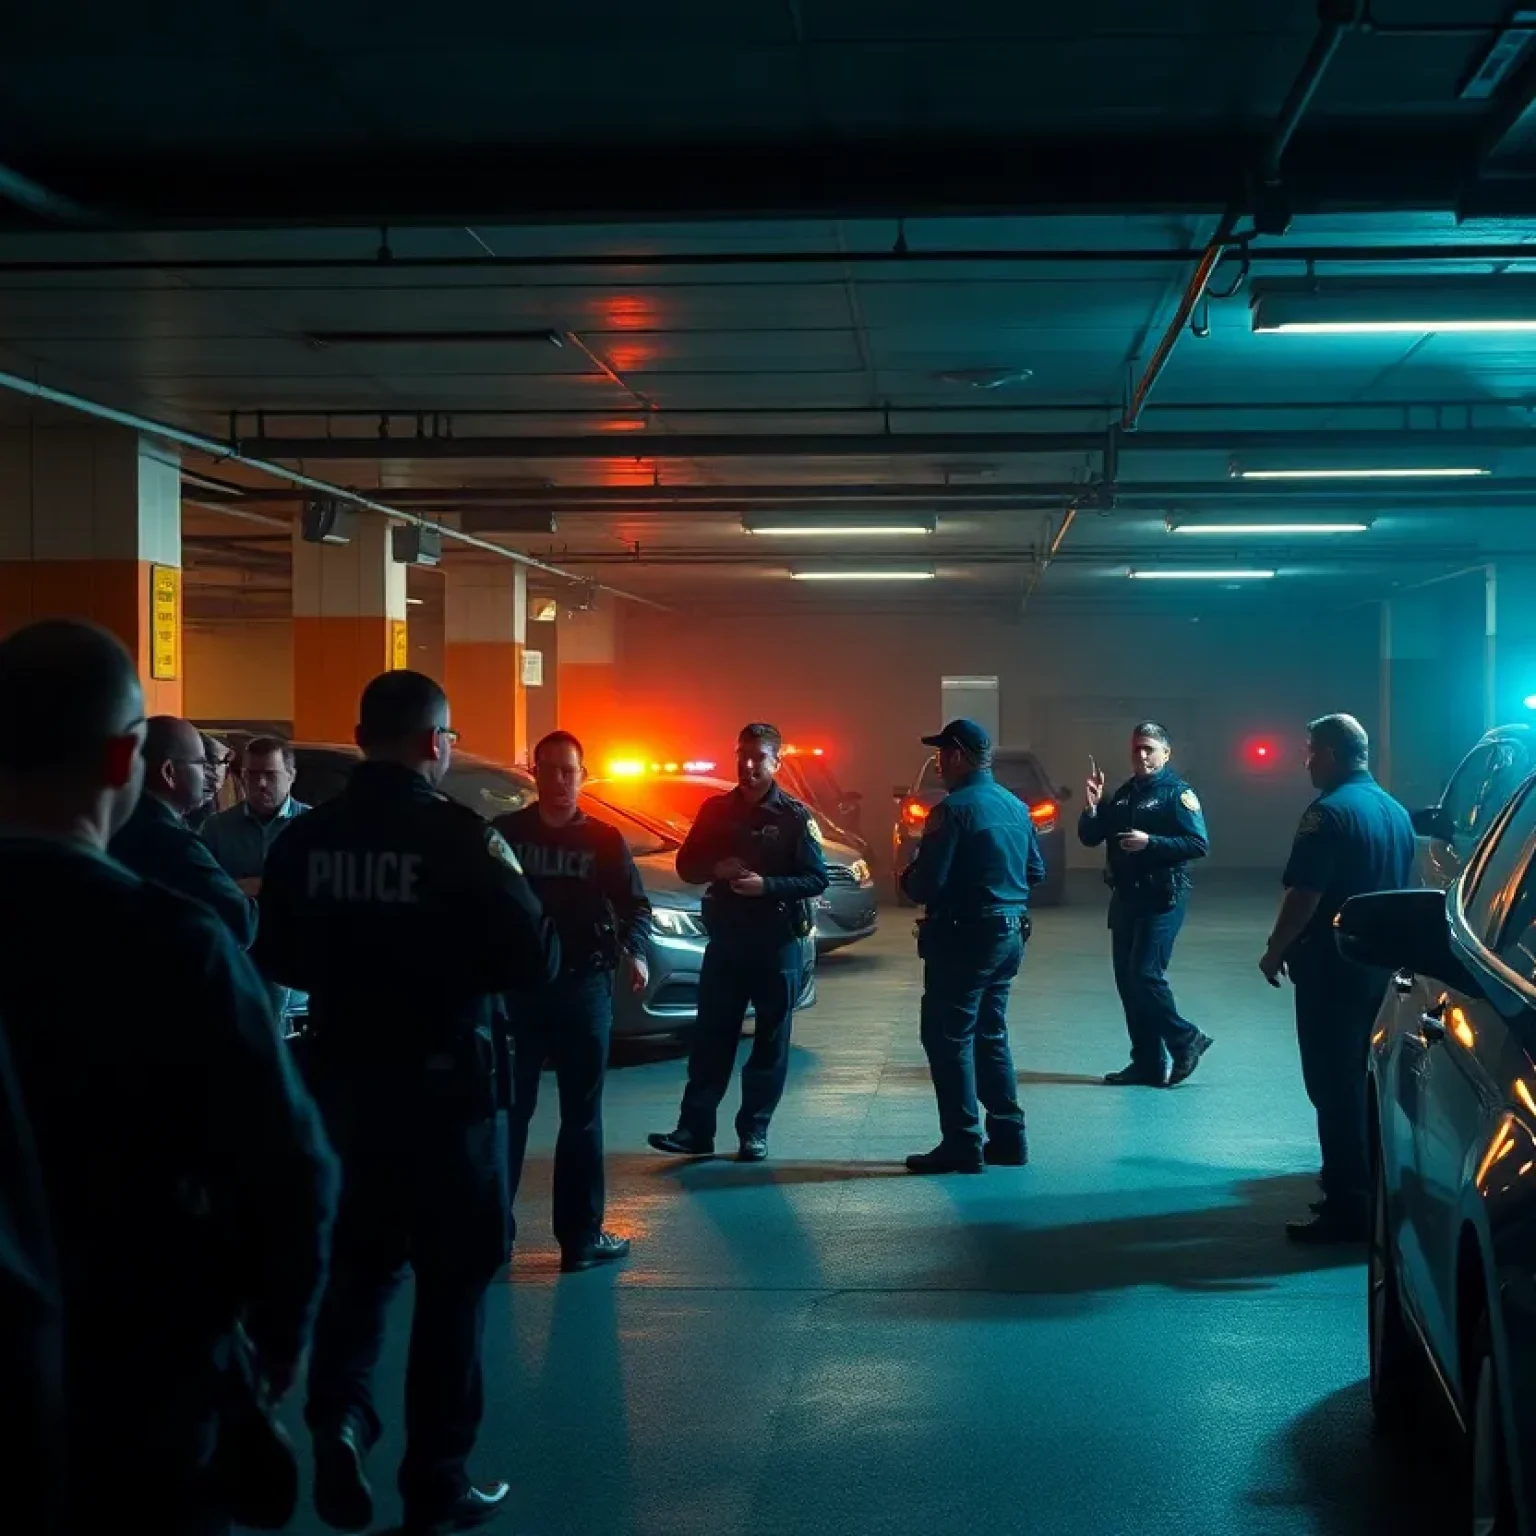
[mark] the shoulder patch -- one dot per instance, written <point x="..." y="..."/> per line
<point x="501" y="850"/>
<point x="1190" y="800"/>
<point x="1309" y="823"/>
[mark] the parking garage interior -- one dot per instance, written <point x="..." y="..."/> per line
<point x="643" y="371"/>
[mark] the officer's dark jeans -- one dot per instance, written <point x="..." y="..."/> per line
<point x="423" y="1188"/>
<point x="1336" y="1007"/>
<point x="568" y="1024"/>
<point x="1141" y="943"/>
<point x="965" y="1033"/>
<point x="737" y="974"/>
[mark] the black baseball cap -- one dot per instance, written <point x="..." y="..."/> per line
<point x="964" y="734"/>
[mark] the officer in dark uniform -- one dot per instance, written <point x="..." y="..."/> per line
<point x="582" y="871"/>
<point x="403" y="915"/>
<point x="189" y="1186"/>
<point x="759" y="852"/>
<point x="974" y="869"/>
<point x="1353" y="839"/>
<point x="1152" y="829"/>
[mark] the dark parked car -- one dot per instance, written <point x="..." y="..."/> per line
<point x="1478" y="790"/>
<point x="676" y="944"/>
<point x="1452" y="1068"/>
<point x="1018" y="771"/>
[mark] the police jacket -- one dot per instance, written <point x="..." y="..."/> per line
<point x="403" y="915"/>
<point x="777" y="838"/>
<point x="156" y="843"/>
<point x="1168" y="810"/>
<point x="585" y="876"/>
<point x="170" y="1127"/>
<point x="1353" y="839"/>
<point x="979" y="855"/>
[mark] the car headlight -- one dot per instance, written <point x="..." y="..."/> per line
<point x="859" y="869"/>
<point x="675" y="923"/>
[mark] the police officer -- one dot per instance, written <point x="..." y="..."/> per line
<point x="759" y="853"/>
<point x="403" y="915"/>
<point x="581" y="869"/>
<point x="974" y="869"/>
<point x="1152" y="829"/>
<point x="1353" y="838"/>
<point x="189" y="1186"/>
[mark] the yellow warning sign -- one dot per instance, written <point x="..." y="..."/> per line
<point x="165" y="622"/>
<point x="399" y="645"/>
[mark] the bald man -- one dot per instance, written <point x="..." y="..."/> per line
<point x="188" y="1184"/>
<point x="158" y="842"/>
<point x="1353" y="838"/>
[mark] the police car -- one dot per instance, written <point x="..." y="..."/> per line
<point x="675" y="947"/>
<point x="845" y="914"/>
<point x="1015" y="770"/>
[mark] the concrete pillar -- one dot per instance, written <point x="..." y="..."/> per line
<point x="348" y="626"/>
<point x="588" y="702"/>
<point x="485" y="631"/>
<point x="90" y="528"/>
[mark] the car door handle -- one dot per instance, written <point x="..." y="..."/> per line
<point x="1432" y="1027"/>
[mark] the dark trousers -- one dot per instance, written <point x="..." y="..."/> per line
<point x="737" y="974"/>
<point x="965" y="1033"/>
<point x="424" y="1189"/>
<point x="1336" y="1007"/>
<point x="1141" y="943"/>
<point x="569" y="1024"/>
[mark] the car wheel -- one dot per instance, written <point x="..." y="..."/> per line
<point x="1396" y="1379"/>
<point x="1493" y="1504"/>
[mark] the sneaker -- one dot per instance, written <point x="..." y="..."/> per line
<point x="605" y="1248"/>
<point x="681" y="1143"/>
<point x="1185" y="1062"/>
<point x="753" y="1149"/>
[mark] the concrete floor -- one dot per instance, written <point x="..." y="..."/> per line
<point x="1116" y="1339"/>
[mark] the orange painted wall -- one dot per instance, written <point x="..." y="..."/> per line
<point x="112" y="593"/>
<point x="334" y="659"/>
<point x="486" y="694"/>
<point x="239" y="670"/>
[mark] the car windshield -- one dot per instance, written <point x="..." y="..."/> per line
<point x="672" y="802"/>
<point x="1021" y="772"/>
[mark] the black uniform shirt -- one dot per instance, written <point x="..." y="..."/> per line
<point x="980" y="854"/>
<point x="585" y="876"/>
<point x="1168" y="810"/>
<point x="403" y="915"/>
<point x="185" y="1167"/>
<point x="156" y="843"/>
<point x="777" y="838"/>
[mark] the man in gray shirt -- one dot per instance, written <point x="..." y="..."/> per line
<point x="240" y="837"/>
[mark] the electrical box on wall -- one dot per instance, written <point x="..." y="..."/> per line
<point x="324" y="520"/>
<point x="415" y="544"/>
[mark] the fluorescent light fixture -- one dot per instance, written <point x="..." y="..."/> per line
<point x="1396" y="306"/>
<point x="888" y="525"/>
<point x="1281" y="529"/>
<point x="894" y="574"/>
<point x="1200" y="575"/>
<point x="1397" y="472"/>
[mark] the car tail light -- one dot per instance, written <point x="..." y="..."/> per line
<point x="913" y="814"/>
<point x="1043" y="815"/>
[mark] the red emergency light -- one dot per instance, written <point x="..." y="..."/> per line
<point x="1261" y="752"/>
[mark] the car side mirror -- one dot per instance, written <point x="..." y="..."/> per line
<point x="1064" y="792"/>
<point x="1401" y="931"/>
<point x="1433" y="821"/>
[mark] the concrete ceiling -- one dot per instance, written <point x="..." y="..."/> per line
<point x="652" y="269"/>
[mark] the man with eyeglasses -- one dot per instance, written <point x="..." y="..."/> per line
<point x="156" y="841"/>
<point x="220" y="758"/>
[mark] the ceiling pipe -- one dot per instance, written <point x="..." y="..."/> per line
<point x="195" y="440"/>
<point x="1335" y="18"/>
<point x="647" y="447"/>
<point x="1465" y="253"/>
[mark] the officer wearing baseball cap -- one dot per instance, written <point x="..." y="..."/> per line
<point x="977" y="862"/>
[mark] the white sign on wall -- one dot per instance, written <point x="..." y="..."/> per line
<point x="972" y="698"/>
<point x="533" y="669"/>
